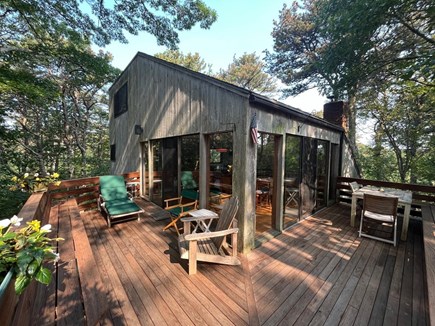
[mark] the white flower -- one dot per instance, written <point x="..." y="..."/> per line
<point x="5" y="223"/>
<point x="56" y="258"/>
<point x="26" y="175"/>
<point x="46" y="228"/>
<point x="16" y="221"/>
<point x="36" y="174"/>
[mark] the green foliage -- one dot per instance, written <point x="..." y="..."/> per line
<point x="103" y="21"/>
<point x="405" y="125"/>
<point x="192" y="61"/>
<point x="50" y="130"/>
<point x="297" y="50"/>
<point x="248" y="71"/>
<point x="24" y="251"/>
<point x="265" y="154"/>
<point x="34" y="181"/>
<point x="367" y="38"/>
<point x="377" y="163"/>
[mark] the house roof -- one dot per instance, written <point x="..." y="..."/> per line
<point x="255" y="99"/>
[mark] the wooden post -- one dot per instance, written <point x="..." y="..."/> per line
<point x="244" y="181"/>
<point x="193" y="248"/>
<point x="204" y="169"/>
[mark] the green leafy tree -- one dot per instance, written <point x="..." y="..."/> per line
<point x="404" y="124"/>
<point x="391" y="37"/>
<point x="101" y="21"/>
<point x="300" y="53"/>
<point x="192" y="61"/>
<point x="248" y="71"/>
<point x="297" y="49"/>
<point x="49" y="128"/>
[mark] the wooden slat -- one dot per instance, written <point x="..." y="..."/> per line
<point x="88" y="206"/>
<point x="429" y="254"/>
<point x="405" y="304"/>
<point x="45" y="313"/>
<point x="74" y="183"/>
<point x="121" y="311"/>
<point x="92" y="287"/>
<point x="74" y="192"/>
<point x="70" y="308"/>
<point x="198" y="296"/>
<point x="92" y="196"/>
<point x="418" y="287"/>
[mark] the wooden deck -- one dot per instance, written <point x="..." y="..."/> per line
<point x="316" y="273"/>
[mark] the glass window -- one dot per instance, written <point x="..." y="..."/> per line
<point x="190" y="162"/>
<point x="113" y="152"/>
<point x="121" y="101"/>
<point x="221" y="169"/>
<point x="264" y="182"/>
<point x="292" y="180"/>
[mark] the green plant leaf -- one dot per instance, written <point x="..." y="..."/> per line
<point x="21" y="283"/>
<point x="44" y="276"/>
<point x="33" y="267"/>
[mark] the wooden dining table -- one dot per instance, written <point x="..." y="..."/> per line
<point x="405" y="200"/>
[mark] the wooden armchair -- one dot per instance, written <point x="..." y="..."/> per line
<point x="211" y="246"/>
<point x="179" y="207"/>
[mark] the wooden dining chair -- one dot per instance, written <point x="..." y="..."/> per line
<point x="379" y="213"/>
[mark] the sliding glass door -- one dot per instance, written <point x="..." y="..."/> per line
<point x="292" y="180"/>
<point x="315" y="159"/>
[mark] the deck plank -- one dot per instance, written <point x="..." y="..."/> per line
<point x="194" y="294"/>
<point x="418" y="309"/>
<point x="123" y="313"/>
<point x="318" y="272"/>
<point x="92" y="287"/>
<point x="405" y="306"/>
<point x="315" y="276"/>
<point x="70" y="310"/>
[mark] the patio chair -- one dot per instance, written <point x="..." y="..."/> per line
<point x="179" y="207"/>
<point x="211" y="246"/>
<point x="114" y="199"/>
<point x="379" y="212"/>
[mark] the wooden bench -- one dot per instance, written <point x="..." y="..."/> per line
<point x="428" y="218"/>
<point x="80" y="296"/>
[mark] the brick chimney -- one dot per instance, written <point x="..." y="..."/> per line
<point x="335" y="112"/>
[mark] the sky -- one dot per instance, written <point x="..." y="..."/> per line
<point x="242" y="26"/>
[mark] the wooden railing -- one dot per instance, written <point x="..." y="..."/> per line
<point x="421" y="195"/>
<point x="85" y="190"/>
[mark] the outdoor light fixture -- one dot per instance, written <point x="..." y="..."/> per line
<point x="138" y="130"/>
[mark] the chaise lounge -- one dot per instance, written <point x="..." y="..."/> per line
<point x="114" y="199"/>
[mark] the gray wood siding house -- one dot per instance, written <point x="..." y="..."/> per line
<point x="182" y="129"/>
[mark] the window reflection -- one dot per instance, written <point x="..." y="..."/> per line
<point x="221" y="169"/>
<point x="292" y="180"/>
